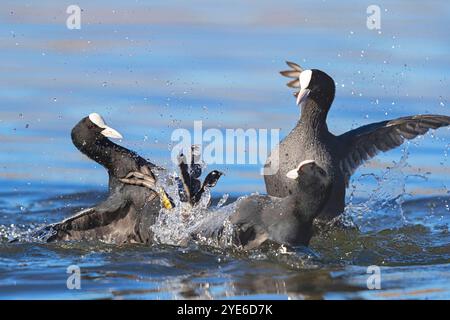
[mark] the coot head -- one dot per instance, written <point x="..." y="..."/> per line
<point x="312" y="84"/>
<point x="92" y="128"/>
<point x="310" y="177"/>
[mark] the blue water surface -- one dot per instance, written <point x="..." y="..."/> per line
<point x="150" y="67"/>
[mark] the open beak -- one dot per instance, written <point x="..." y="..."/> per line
<point x="302" y="95"/>
<point x="111" y="133"/>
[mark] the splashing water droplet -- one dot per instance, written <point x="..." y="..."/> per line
<point x="199" y="223"/>
<point x="223" y="200"/>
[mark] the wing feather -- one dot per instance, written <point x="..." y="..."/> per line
<point x="365" y="142"/>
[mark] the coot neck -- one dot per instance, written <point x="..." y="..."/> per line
<point x="313" y="118"/>
<point x="99" y="149"/>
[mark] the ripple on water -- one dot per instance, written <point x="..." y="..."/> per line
<point x="333" y="267"/>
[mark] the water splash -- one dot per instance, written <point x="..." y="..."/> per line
<point x="185" y="223"/>
<point x="385" y="201"/>
<point x="25" y="233"/>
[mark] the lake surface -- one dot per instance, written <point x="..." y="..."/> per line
<point x="150" y="67"/>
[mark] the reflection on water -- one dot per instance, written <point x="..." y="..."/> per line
<point x="150" y="67"/>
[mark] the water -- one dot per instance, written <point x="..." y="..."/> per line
<point x="149" y="68"/>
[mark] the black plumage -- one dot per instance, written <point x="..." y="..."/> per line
<point x="257" y="219"/>
<point x="128" y="210"/>
<point x="339" y="155"/>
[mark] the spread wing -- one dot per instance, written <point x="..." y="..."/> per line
<point x="365" y="142"/>
<point x="88" y="220"/>
<point x="114" y="219"/>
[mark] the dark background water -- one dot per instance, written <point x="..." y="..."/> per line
<point x="150" y="67"/>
